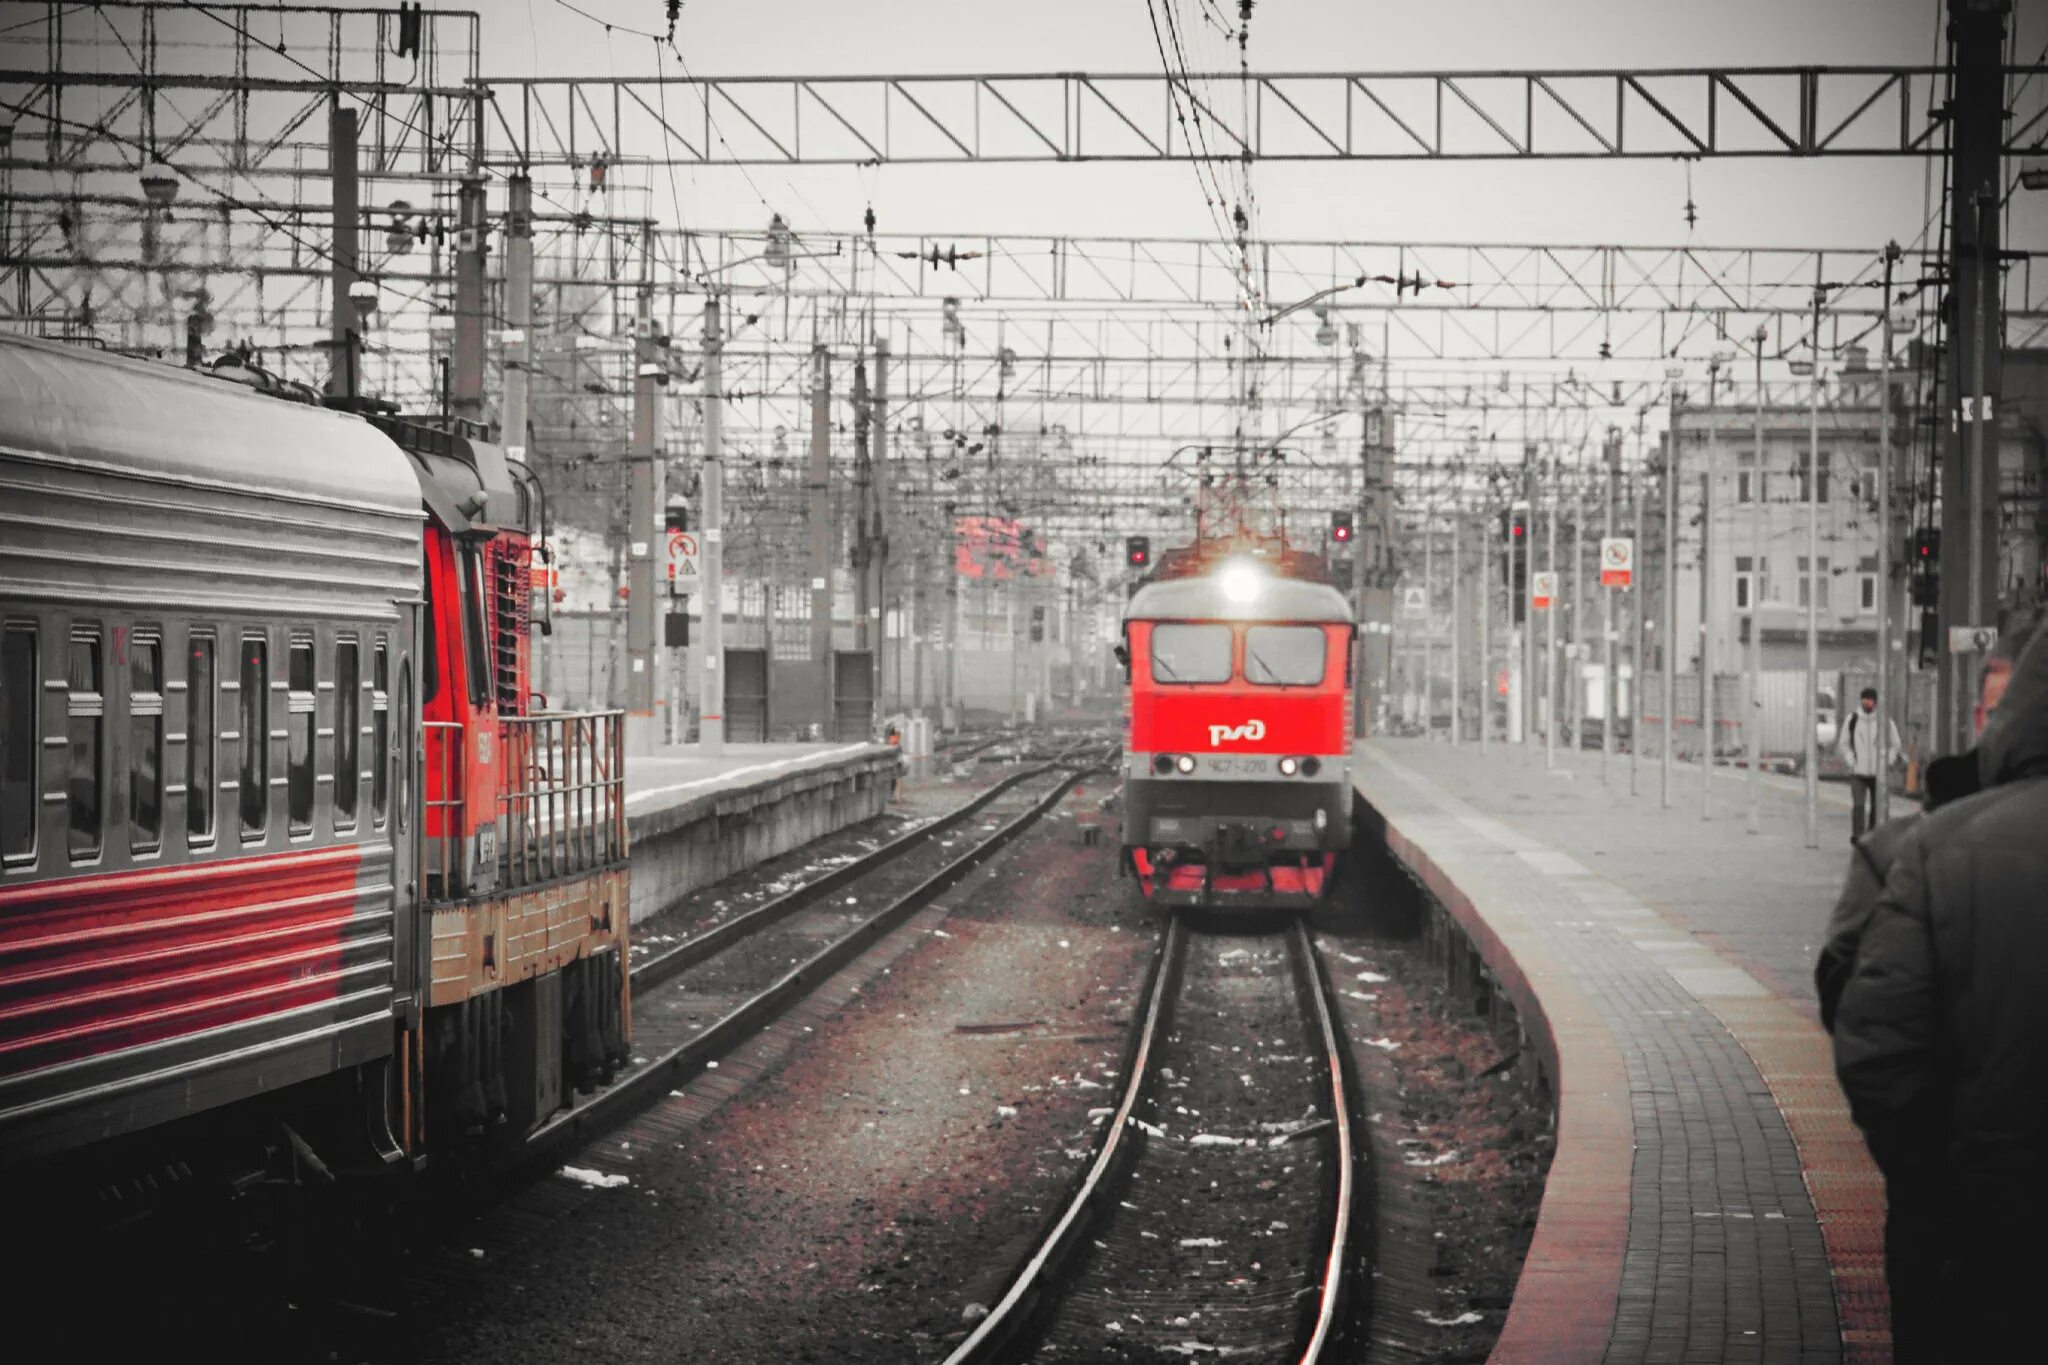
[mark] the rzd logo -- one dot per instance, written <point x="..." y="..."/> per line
<point x="1253" y="730"/>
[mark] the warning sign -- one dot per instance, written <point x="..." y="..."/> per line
<point x="1415" y="603"/>
<point x="1617" y="561"/>
<point x="683" y="560"/>
<point x="1542" y="588"/>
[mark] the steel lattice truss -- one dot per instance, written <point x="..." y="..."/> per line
<point x="1087" y="384"/>
<point x="1309" y="116"/>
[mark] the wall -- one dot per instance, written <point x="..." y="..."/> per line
<point x="681" y="848"/>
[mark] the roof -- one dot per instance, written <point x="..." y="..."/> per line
<point x="149" y="419"/>
<point x="1202" y="599"/>
<point x="128" y="484"/>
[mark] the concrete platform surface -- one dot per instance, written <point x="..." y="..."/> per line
<point x="1710" y="1199"/>
<point x="679" y="772"/>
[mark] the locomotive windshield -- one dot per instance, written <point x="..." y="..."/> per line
<point x="1283" y="656"/>
<point x="1190" y="654"/>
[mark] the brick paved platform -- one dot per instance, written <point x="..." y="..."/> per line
<point x="1710" y="1199"/>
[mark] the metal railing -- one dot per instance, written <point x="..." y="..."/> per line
<point x="563" y="809"/>
<point x="444" y="793"/>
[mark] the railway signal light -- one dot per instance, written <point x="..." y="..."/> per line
<point x="1340" y="527"/>
<point x="1037" y="624"/>
<point x="1514" y="533"/>
<point x="1138" y="552"/>
<point x="1923" y="562"/>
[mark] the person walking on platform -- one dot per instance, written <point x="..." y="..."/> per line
<point x="1859" y="745"/>
<point x="1941" y="1045"/>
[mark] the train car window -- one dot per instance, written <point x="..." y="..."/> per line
<point x="302" y="716"/>
<point x="1284" y="656"/>
<point x="404" y="755"/>
<point x="255" y="730"/>
<point x="1190" y="654"/>
<point x="202" y="720"/>
<point x="145" y="743"/>
<point x="21" y="694"/>
<point x="86" y="717"/>
<point x="476" y="664"/>
<point x="380" y="731"/>
<point x="348" y="735"/>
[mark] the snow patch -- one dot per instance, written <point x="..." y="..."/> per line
<point x="596" y="1180"/>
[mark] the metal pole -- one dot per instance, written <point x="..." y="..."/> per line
<point x="1550" y="707"/>
<point x="711" y="725"/>
<point x="1756" y="589"/>
<point x="341" y="141"/>
<point x="1485" y="636"/>
<point x="1707" y="575"/>
<point x="1813" y="582"/>
<point x="1669" y="644"/>
<point x="466" y="397"/>
<point x="818" y="512"/>
<point x="878" y="530"/>
<point x="1885" y="703"/>
<point x="1457" y="674"/>
<point x="1428" y="631"/>
<point x="643" y="520"/>
<point x="1609" y="689"/>
<point x="1639" y="596"/>
<point x="517" y="359"/>
<point x="1575" y="670"/>
<point x="1982" y="476"/>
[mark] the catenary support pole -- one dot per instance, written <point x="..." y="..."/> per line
<point x="1709" y="546"/>
<point x="1813" y="586"/>
<point x="711" y="725"/>
<point x="1753" y="723"/>
<point x="344" y="354"/>
<point x="1668" y="643"/>
<point x="1887" y="699"/>
<point x="643" y="523"/>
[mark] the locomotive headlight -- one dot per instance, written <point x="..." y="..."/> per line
<point x="1186" y="763"/>
<point x="1241" y="581"/>
<point x="1162" y="764"/>
<point x="1289" y="767"/>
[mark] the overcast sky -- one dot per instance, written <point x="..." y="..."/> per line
<point x="1808" y="203"/>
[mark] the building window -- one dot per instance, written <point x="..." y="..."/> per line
<point x="86" y="716"/>
<point x="1866" y="584"/>
<point x="348" y="720"/>
<point x="380" y="732"/>
<point x="1745" y="582"/>
<point x="1804" y="470"/>
<point x="1749" y="484"/>
<point x="201" y="722"/>
<point x="300" y="709"/>
<point x="145" y="743"/>
<point x="1806" y="579"/>
<point x="21" y="694"/>
<point x="255" y="730"/>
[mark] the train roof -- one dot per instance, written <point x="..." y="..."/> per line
<point x="85" y="407"/>
<point x="1203" y="599"/>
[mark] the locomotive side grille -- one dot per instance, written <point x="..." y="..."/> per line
<point x="511" y="603"/>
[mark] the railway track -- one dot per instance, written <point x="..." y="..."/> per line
<point x="698" y="1000"/>
<point x="1215" y="1218"/>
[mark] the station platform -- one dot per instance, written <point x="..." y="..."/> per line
<point x="1709" y="1198"/>
<point x="693" y="820"/>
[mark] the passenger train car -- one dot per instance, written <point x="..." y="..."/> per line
<point x="282" y="838"/>
<point x="1238" y="716"/>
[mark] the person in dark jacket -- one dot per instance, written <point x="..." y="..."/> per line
<point x="1945" y="779"/>
<point x="1941" y="1045"/>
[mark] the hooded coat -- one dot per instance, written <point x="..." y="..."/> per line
<point x="1941" y="1036"/>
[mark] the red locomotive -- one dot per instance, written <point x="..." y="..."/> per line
<point x="1237" y="751"/>
<point x="281" y="837"/>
